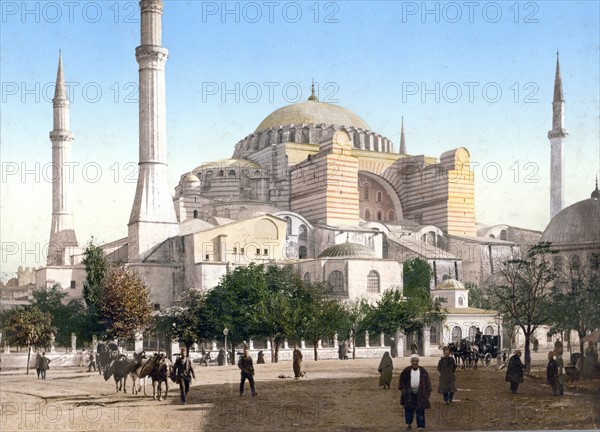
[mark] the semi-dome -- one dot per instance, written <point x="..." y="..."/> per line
<point x="450" y="284"/>
<point x="578" y="223"/>
<point x="348" y="250"/>
<point x="312" y="111"/>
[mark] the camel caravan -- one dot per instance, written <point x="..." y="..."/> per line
<point x="112" y="363"/>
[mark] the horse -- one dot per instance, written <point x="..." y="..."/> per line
<point x="158" y="368"/>
<point x="118" y="368"/>
<point x="135" y="368"/>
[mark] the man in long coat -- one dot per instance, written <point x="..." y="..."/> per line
<point x="184" y="372"/>
<point x="297" y="362"/>
<point x="386" y="366"/>
<point x="415" y="385"/>
<point x="447" y="368"/>
<point x="514" y="371"/>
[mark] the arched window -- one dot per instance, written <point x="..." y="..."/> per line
<point x="503" y="235"/>
<point x="379" y="196"/>
<point x="472" y="333"/>
<point x="373" y="282"/>
<point x="366" y="195"/>
<point x="492" y="236"/>
<point x="594" y="261"/>
<point x="231" y="173"/>
<point x="307" y="277"/>
<point x="379" y="215"/>
<point x="456" y="334"/>
<point x="461" y="301"/>
<point x="221" y="173"/>
<point x="302" y="252"/>
<point x="226" y="213"/>
<point x="302" y="233"/>
<point x="367" y="214"/>
<point x="336" y="279"/>
<point x="488" y="330"/>
<point x="391" y="216"/>
<point x="195" y="214"/>
<point x="433" y="336"/>
<point x="557" y="263"/>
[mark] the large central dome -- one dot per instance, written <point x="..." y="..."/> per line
<point x="312" y="112"/>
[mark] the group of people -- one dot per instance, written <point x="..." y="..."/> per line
<point x="42" y="364"/>
<point x="415" y="384"/>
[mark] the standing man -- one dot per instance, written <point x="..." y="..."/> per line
<point x="558" y="350"/>
<point x="297" y="362"/>
<point x="91" y="362"/>
<point x="247" y="372"/>
<point x="184" y="372"/>
<point x="447" y="368"/>
<point x="44" y="365"/>
<point x="514" y="371"/>
<point x="415" y="387"/>
<point x="38" y="364"/>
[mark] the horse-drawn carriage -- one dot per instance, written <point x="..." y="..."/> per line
<point x="469" y="354"/>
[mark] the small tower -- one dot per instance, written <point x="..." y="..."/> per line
<point x="556" y="137"/>
<point x="402" y="139"/>
<point x="62" y="234"/>
<point x="153" y="218"/>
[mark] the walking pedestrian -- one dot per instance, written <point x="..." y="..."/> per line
<point x="415" y="385"/>
<point x="447" y="369"/>
<point x="552" y="373"/>
<point x="514" y="371"/>
<point x="184" y="372"/>
<point x="558" y="350"/>
<point x="38" y="364"/>
<point x="44" y="365"/>
<point x="91" y="362"/>
<point x="297" y="362"/>
<point x="386" y="366"/>
<point x="247" y="372"/>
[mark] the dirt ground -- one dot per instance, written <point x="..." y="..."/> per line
<point x="335" y="396"/>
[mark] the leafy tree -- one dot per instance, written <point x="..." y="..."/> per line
<point x="317" y="314"/>
<point x="525" y="298"/>
<point x="354" y="321"/>
<point x="576" y="296"/>
<point x="273" y="314"/>
<point x="394" y="312"/>
<point x="28" y="326"/>
<point x="125" y="303"/>
<point x="96" y="267"/>
<point x="187" y="322"/>
<point x="417" y="276"/>
<point x="66" y="318"/>
<point x="478" y="297"/>
<point x="232" y="304"/>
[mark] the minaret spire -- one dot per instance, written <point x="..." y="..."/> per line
<point x="153" y="218"/>
<point x="402" y="139"/>
<point x="312" y="96"/>
<point x="556" y="137"/>
<point x="62" y="234"/>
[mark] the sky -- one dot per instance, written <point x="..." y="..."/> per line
<point x="478" y="75"/>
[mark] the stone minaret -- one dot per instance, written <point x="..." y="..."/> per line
<point x="62" y="234"/>
<point x="556" y="136"/>
<point x="153" y="218"/>
<point x="402" y="139"/>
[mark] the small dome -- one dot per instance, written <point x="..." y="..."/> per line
<point x="191" y="178"/>
<point x="450" y="284"/>
<point x="578" y="223"/>
<point x="348" y="250"/>
<point x="312" y="112"/>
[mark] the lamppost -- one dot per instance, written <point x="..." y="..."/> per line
<point x="225" y="333"/>
<point x="498" y="320"/>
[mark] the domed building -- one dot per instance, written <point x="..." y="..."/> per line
<point x="575" y="233"/>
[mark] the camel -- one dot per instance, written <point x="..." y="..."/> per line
<point x="118" y="369"/>
<point x="135" y="368"/>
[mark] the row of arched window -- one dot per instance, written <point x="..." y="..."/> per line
<point x="366" y="195"/>
<point x="575" y="262"/>
<point x="391" y="215"/>
<point x="302" y="229"/>
<point x="337" y="281"/>
<point x="457" y="333"/>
